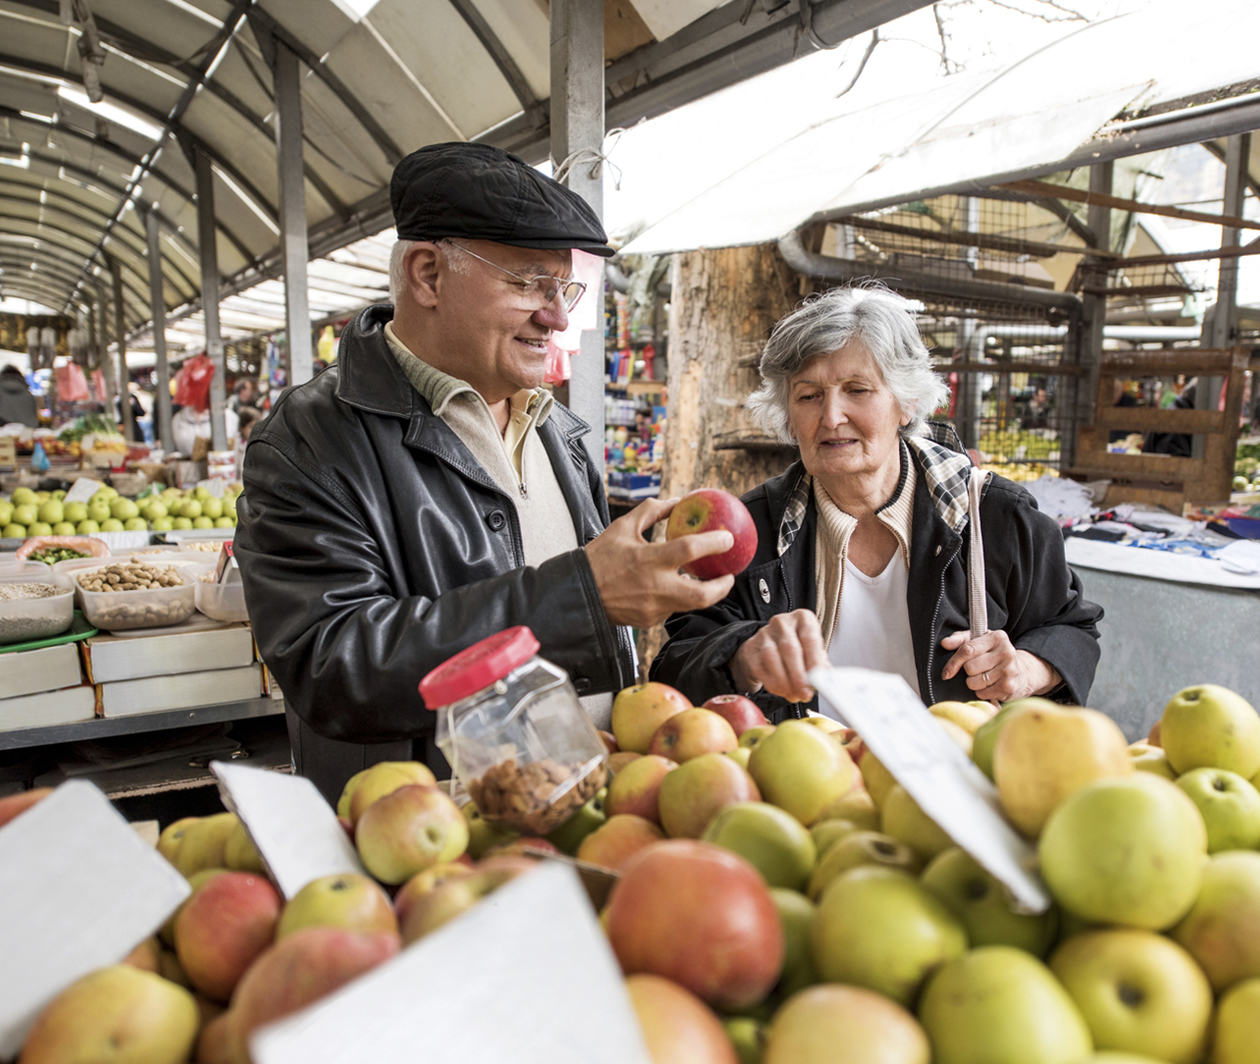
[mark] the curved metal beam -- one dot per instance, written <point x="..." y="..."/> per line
<point x="489" y="40"/>
<point x="44" y="295"/>
<point x="17" y="256"/>
<point x="6" y="189"/>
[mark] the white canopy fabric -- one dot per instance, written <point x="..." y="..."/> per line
<point x="782" y="148"/>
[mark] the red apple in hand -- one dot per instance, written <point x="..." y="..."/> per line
<point x="741" y="713"/>
<point x="710" y="510"/>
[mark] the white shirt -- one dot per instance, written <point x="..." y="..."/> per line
<point x="872" y="623"/>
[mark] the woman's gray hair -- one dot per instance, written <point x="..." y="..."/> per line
<point x="878" y="317"/>
<point x="397" y="265"/>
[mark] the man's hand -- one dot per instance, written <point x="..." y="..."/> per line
<point x="995" y="669"/>
<point x="639" y="582"/>
<point x="778" y="657"/>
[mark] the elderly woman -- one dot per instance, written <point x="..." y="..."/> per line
<point x="863" y="542"/>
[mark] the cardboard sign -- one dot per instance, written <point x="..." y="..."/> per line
<point x="295" y="830"/>
<point x="526" y="975"/>
<point x="82" y="489"/>
<point x="884" y="710"/>
<point x="81" y="889"/>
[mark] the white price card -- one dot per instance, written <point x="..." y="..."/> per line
<point x="82" y="489"/>
<point x="894" y="723"/>
<point x="294" y="828"/>
<point x="81" y="889"/>
<point x="526" y="975"/>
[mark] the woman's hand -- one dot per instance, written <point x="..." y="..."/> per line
<point x="995" y="669"/>
<point x="779" y="655"/>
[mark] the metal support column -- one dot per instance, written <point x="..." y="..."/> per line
<point x="1220" y="330"/>
<point x="159" y="330"/>
<point x="293" y="239"/>
<point x="120" y="338"/>
<point x="577" y="138"/>
<point x="1093" y="310"/>
<point x="209" y="261"/>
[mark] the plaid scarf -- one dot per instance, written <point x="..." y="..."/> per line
<point x="944" y="466"/>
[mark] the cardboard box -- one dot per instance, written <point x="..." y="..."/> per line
<point x="29" y="672"/>
<point x="109" y="658"/>
<point x="70" y="705"/>
<point x="153" y="694"/>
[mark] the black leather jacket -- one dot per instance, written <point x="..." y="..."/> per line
<point x="1032" y="594"/>
<point x="373" y="547"/>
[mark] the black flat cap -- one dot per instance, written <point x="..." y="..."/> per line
<point x="480" y="192"/>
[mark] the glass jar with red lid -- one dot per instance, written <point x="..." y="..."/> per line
<point x="515" y="733"/>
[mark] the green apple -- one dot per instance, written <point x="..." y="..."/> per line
<point x="801" y="769"/>
<point x="1127" y="851"/>
<point x="833" y="1024"/>
<point x="87" y="527"/>
<point x="23" y="497"/>
<point x="882" y="929"/>
<point x="190" y="509"/>
<point x="225" y="522"/>
<point x="39" y="528"/>
<point x="1139" y="992"/>
<point x="229" y="506"/>
<point x="42" y="497"/>
<point x="860" y="848"/>
<point x="902" y="818"/>
<point x="98" y="509"/>
<point x="1209" y="725"/>
<point x="52" y="512"/>
<point x="1147" y="757"/>
<point x="588" y="816"/>
<point x="154" y="508"/>
<point x="833" y="829"/>
<point x="163" y="524"/>
<point x="998" y="1005"/>
<point x="135" y="524"/>
<point x="201" y="493"/>
<point x="748" y="1037"/>
<point x="796" y="915"/>
<point x="63" y="528"/>
<point x="212" y="508"/>
<point x="1222" y="928"/>
<point x="985" y="737"/>
<point x="346" y="899"/>
<point x="1236" y="1029"/>
<point x="112" y="524"/>
<point x="857" y="806"/>
<point x="6" y="511"/>
<point x="14" y="531"/>
<point x="408" y="830"/>
<point x="984" y="907"/>
<point x="26" y="513"/>
<point x="772" y="840"/>
<point x="181" y="522"/>
<point x="75" y="512"/>
<point x="123" y="508"/>
<point x="1230" y="806"/>
<point x="482" y="835"/>
<point x="202" y="522"/>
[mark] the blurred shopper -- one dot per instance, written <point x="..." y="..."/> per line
<point x="17" y="404"/>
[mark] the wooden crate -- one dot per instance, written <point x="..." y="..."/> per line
<point x="1160" y="479"/>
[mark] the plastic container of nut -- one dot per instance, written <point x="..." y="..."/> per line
<point x="135" y="593"/>
<point x="514" y="732"/>
<point x="34" y="605"/>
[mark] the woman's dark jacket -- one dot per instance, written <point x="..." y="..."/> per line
<point x="1032" y="592"/>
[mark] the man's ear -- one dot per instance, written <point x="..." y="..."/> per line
<point x="422" y="268"/>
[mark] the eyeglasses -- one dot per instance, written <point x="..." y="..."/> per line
<point x="539" y="289"/>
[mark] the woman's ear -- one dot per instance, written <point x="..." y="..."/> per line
<point x="422" y="268"/>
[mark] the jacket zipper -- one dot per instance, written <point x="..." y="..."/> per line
<point x="936" y="613"/>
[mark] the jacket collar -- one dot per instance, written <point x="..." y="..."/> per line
<point x="370" y="379"/>
<point x="945" y="473"/>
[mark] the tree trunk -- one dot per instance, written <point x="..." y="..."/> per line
<point x="722" y="308"/>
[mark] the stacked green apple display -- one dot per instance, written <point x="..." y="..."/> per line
<point x="45" y="513"/>
<point x="781" y="898"/>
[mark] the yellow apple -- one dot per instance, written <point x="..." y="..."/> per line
<point x="801" y="769"/>
<point x="638" y="711"/>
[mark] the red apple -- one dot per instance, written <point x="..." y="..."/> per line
<point x="711" y="510"/>
<point x="412" y="828"/>
<point x="617" y="839"/>
<point x="636" y="788"/>
<point x="701" y="916"/>
<point x="299" y="969"/>
<point x="222" y="927"/>
<point x="741" y="713"/>
<point x="695" y="792"/>
<point x="677" y="1026"/>
<point x="691" y="733"/>
<point x="423" y="882"/>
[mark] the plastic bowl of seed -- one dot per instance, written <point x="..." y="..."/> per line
<point x="34" y="605"/>
<point x="137" y="593"/>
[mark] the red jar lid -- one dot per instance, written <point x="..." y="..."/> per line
<point x="478" y="666"/>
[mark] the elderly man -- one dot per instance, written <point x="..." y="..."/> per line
<point x="425" y="492"/>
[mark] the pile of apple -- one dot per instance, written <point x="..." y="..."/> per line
<point x="45" y="513"/>
<point x="780" y="897"/>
